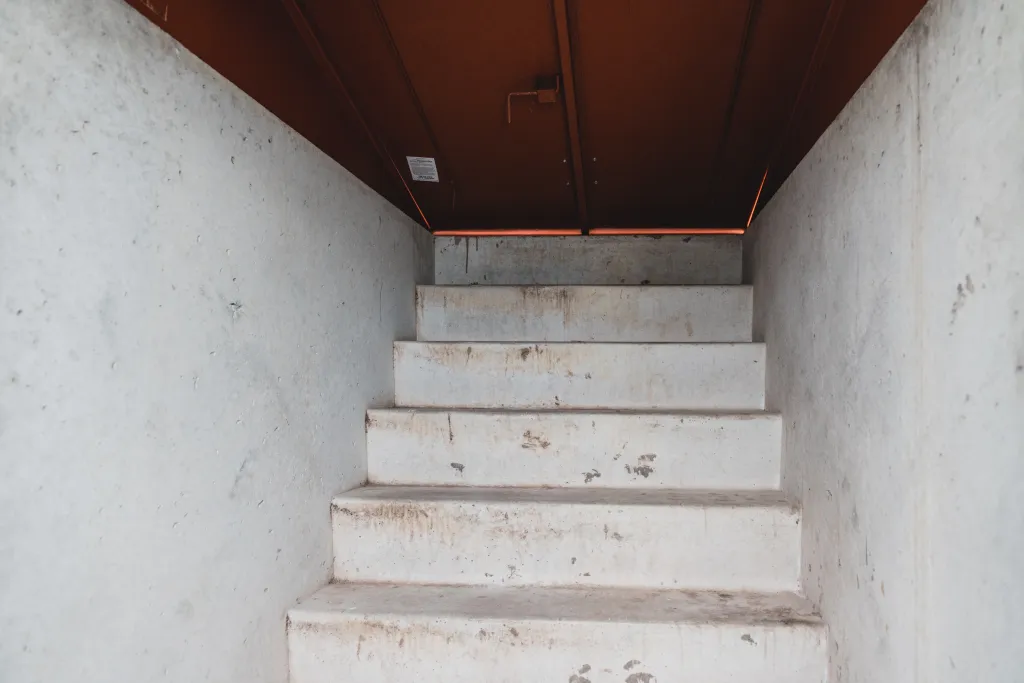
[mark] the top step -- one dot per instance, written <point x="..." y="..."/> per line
<point x="669" y="260"/>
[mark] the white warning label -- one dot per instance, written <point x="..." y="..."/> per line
<point x="423" y="169"/>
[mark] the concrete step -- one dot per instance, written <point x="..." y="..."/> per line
<point x="608" y="260"/>
<point x="630" y="376"/>
<point x="596" y="537"/>
<point x="563" y="448"/>
<point x="584" y="314"/>
<point x="381" y="633"/>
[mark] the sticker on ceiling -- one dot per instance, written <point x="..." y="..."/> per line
<point x="423" y="169"/>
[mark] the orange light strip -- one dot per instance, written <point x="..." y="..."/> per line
<point x="750" y="218"/>
<point x="666" y="231"/>
<point x="568" y="232"/>
<point x="508" y="233"/>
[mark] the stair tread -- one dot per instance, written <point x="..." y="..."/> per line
<point x="567" y="496"/>
<point x="724" y="413"/>
<point x="343" y="601"/>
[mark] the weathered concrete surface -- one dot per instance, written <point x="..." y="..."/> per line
<point x="598" y="537"/>
<point x="508" y="635"/>
<point x="716" y="260"/>
<point x="643" y="376"/>
<point x="554" y="448"/>
<point x="196" y="308"/>
<point x="584" y="314"/>
<point x="889" y="287"/>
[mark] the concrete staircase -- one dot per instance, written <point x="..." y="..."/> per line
<point x="578" y="484"/>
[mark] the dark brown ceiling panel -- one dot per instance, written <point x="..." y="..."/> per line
<point x="680" y="105"/>
<point x="864" y="34"/>
<point x="780" y="47"/>
<point x="253" y="45"/>
<point x="655" y="80"/>
<point x="357" y="42"/>
<point x="463" y="58"/>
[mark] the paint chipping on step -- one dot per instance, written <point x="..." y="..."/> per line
<point x="643" y="466"/>
<point x="578" y="676"/>
<point x="962" y="290"/>
<point x="534" y="442"/>
<point x="640" y="677"/>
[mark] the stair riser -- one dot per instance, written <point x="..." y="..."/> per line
<point x="447" y="650"/>
<point x="573" y="449"/>
<point x="530" y="543"/>
<point x="588" y="261"/>
<point x="584" y="314"/>
<point x="631" y="376"/>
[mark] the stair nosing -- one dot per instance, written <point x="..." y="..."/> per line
<point x="774" y="499"/>
<point x="316" y="610"/>
<point x="738" y="414"/>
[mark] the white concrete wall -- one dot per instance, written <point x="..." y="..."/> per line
<point x="889" y="289"/>
<point x="196" y="308"/>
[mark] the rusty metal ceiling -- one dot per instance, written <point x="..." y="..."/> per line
<point x="551" y="114"/>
